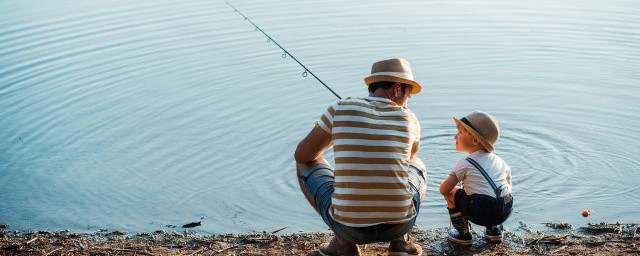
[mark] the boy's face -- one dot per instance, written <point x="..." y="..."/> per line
<point x="465" y="141"/>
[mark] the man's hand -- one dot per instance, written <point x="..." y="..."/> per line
<point x="414" y="149"/>
<point x="311" y="148"/>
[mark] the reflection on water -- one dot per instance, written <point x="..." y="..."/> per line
<point x="136" y="116"/>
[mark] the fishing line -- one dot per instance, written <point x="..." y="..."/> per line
<point x="284" y="55"/>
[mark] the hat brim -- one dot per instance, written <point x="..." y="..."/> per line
<point x="384" y="78"/>
<point x="475" y="134"/>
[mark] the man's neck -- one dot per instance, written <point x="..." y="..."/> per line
<point x="379" y="94"/>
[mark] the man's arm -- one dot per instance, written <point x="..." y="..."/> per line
<point x="414" y="153"/>
<point x="308" y="154"/>
<point x="311" y="148"/>
<point x="414" y="149"/>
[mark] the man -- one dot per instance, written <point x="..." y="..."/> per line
<point x="375" y="192"/>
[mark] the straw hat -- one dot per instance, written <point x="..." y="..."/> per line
<point x="393" y="70"/>
<point x="482" y="126"/>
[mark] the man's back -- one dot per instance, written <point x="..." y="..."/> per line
<point x="372" y="140"/>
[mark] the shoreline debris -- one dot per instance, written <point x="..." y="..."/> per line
<point x="558" y="225"/>
<point x="617" y="239"/>
<point x="192" y="224"/>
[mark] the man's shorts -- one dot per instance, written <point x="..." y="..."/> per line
<point x="482" y="209"/>
<point x="319" y="181"/>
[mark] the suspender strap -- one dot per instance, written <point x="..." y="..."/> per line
<point x="486" y="176"/>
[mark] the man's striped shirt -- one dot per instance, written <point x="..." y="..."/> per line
<point x="372" y="141"/>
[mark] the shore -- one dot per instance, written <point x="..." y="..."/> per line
<point x="556" y="239"/>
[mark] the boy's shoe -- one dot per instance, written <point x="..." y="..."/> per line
<point x="459" y="238"/>
<point x="461" y="234"/>
<point x="494" y="234"/>
<point x="339" y="247"/>
<point x="404" y="247"/>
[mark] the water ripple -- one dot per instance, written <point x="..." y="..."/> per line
<point x="172" y="111"/>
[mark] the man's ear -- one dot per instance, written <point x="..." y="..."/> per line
<point x="397" y="89"/>
<point x="476" y="142"/>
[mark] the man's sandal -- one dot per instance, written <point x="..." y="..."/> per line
<point x="339" y="248"/>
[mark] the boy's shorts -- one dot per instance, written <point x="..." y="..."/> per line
<point x="319" y="181"/>
<point x="482" y="209"/>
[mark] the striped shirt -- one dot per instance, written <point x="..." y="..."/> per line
<point x="372" y="141"/>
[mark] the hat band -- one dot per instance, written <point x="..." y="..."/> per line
<point x="465" y="121"/>
<point x="396" y="74"/>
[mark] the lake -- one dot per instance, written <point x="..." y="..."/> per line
<point x="135" y="115"/>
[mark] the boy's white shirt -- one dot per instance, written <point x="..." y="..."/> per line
<point x="474" y="182"/>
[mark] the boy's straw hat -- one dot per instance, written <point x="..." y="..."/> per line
<point x="393" y="70"/>
<point x="482" y="126"/>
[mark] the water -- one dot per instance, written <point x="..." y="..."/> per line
<point x="134" y="115"/>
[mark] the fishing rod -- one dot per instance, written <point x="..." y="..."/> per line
<point x="284" y="55"/>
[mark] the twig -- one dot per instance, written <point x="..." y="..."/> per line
<point x="601" y="242"/>
<point x="548" y="240"/>
<point x="198" y="251"/>
<point x="231" y="247"/>
<point x="278" y="230"/>
<point x="81" y="245"/>
<point x="10" y="247"/>
<point x="258" y="240"/>
<point x="131" y="250"/>
<point x="124" y="250"/>
<point x="53" y="251"/>
<point x="31" y="241"/>
<point x="557" y="250"/>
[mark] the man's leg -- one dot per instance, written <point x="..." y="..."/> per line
<point x="418" y="183"/>
<point x="337" y="246"/>
<point x="420" y="165"/>
<point x="301" y="169"/>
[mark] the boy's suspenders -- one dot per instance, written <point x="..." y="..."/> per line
<point x="497" y="190"/>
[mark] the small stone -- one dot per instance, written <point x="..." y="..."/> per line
<point x="117" y="233"/>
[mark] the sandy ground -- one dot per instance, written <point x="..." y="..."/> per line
<point x="557" y="239"/>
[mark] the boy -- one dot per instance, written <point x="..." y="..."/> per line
<point x="485" y="198"/>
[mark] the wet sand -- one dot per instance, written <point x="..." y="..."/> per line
<point x="556" y="239"/>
